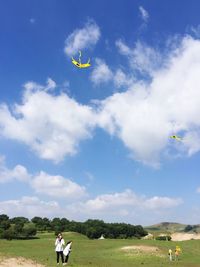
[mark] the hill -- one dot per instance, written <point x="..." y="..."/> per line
<point x="172" y="227"/>
<point x="166" y="227"/>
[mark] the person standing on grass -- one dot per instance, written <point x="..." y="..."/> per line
<point x="176" y="254"/>
<point x="170" y="254"/>
<point x="67" y="251"/>
<point x="59" y="248"/>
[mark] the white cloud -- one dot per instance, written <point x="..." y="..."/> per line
<point x="145" y="58"/>
<point x="119" y="209"/>
<point x="146" y="115"/>
<point x="116" y="207"/>
<point x="162" y="202"/>
<point x="121" y="79"/>
<point x="83" y="38"/>
<point x="141" y="57"/>
<point x="30" y="207"/>
<point x="101" y="72"/>
<point x="192" y="141"/>
<point x="124" y="206"/>
<point x="51" y="125"/>
<point x="18" y="173"/>
<point x="34" y="87"/>
<point x="51" y="84"/>
<point x="57" y="186"/>
<point x="195" y="31"/>
<point x="123" y="48"/>
<point x="198" y="190"/>
<point x="43" y="183"/>
<point x="143" y="116"/>
<point x="136" y="122"/>
<point x="129" y="199"/>
<point x="144" y="14"/>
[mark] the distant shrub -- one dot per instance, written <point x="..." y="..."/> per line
<point x="164" y="238"/>
<point x="152" y="228"/>
<point x="8" y="234"/>
<point x="188" y="228"/>
<point x="29" y="230"/>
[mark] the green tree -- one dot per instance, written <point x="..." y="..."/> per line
<point x="9" y="234"/>
<point x="188" y="228"/>
<point x="3" y="217"/>
<point x="57" y="225"/>
<point x="29" y="230"/>
<point x="18" y="229"/>
<point x="4" y="223"/>
<point x="19" y="220"/>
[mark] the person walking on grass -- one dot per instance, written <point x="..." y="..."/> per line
<point x="59" y="248"/>
<point x="67" y="251"/>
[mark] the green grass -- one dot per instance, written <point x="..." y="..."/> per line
<point x="101" y="253"/>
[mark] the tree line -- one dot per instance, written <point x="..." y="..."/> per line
<point x="16" y="228"/>
<point x="21" y="227"/>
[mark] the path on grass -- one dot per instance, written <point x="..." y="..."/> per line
<point x="19" y="262"/>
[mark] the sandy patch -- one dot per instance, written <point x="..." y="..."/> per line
<point x="184" y="236"/>
<point x="141" y="249"/>
<point x="19" y="262"/>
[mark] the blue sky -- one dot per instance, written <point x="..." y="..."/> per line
<point x="94" y="143"/>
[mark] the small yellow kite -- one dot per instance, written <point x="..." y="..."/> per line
<point x="178" y="138"/>
<point x="78" y="63"/>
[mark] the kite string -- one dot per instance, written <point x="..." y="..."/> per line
<point x="80" y="57"/>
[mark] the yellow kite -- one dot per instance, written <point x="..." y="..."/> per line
<point x="78" y="63"/>
<point x="176" y="137"/>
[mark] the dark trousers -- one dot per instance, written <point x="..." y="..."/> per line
<point x="60" y="254"/>
<point x="67" y="257"/>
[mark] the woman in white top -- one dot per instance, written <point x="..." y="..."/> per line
<point x="67" y="251"/>
<point x="59" y="248"/>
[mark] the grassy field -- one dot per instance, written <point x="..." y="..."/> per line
<point x="102" y="253"/>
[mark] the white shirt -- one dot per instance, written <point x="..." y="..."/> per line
<point x="59" y="244"/>
<point x="67" y="249"/>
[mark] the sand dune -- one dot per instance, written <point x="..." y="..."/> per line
<point x="184" y="236"/>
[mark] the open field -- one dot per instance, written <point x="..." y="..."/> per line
<point x="101" y="253"/>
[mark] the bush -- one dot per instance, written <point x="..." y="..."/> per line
<point x="8" y="234"/>
<point x="164" y="238"/>
<point x="29" y="230"/>
<point x="188" y="228"/>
